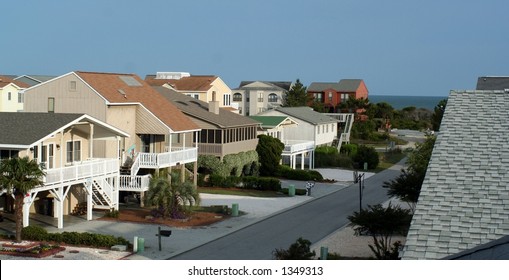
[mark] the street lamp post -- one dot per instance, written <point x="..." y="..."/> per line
<point x="359" y="178"/>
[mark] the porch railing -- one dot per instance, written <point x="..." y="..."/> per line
<point x="81" y="171"/>
<point x="134" y="183"/>
<point x="161" y="160"/>
<point x="293" y="146"/>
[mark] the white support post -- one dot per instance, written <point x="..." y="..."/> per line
<point x="91" y="142"/>
<point x="116" y="192"/>
<point x="60" y="206"/>
<point x="302" y="160"/>
<point x="88" y="187"/>
<point x="26" y="212"/>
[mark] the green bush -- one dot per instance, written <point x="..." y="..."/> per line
<point x="349" y="149"/>
<point x="36" y="233"/>
<point x="112" y="213"/>
<point x="299" y="174"/>
<point x="366" y="154"/>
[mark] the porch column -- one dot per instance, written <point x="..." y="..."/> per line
<point x="27" y="201"/>
<point x="302" y="160"/>
<point x="59" y="199"/>
<point x="88" y="187"/>
<point x="142" y="199"/>
<point x="91" y="142"/>
<point x="195" y="174"/>
<point x="116" y="192"/>
<point x="182" y="172"/>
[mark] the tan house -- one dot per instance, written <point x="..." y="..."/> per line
<point x="75" y="177"/>
<point x="205" y="88"/>
<point x="161" y="135"/>
<point x="11" y="96"/>
<point x="223" y="132"/>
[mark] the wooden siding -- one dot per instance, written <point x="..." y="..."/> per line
<point x="82" y="100"/>
<point x="146" y="123"/>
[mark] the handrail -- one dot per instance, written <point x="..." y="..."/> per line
<point x="84" y="170"/>
<point x="134" y="183"/>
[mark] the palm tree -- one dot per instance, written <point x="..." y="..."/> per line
<point x="19" y="176"/>
<point x="171" y="196"/>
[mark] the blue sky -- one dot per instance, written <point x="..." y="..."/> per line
<point x="398" y="47"/>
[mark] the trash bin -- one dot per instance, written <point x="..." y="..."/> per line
<point x="235" y="209"/>
<point x="291" y="190"/>
<point x="324" y="252"/>
<point x="141" y="244"/>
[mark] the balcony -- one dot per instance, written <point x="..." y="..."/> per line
<point x="134" y="183"/>
<point x="79" y="172"/>
<point x="167" y="159"/>
<point x="296" y="146"/>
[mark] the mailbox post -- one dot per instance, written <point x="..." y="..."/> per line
<point x="165" y="233"/>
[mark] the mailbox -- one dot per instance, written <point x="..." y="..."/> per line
<point x="166" y="233"/>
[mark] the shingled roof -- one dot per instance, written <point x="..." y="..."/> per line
<point x="23" y="129"/>
<point x="129" y="88"/>
<point x="492" y="83"/>
<point x="200" y="110"/>
<point x="345" y="85"/>
<point x="282" y="85"/>
<point x="306" y="114"/>
<point x="4" y="81"/>
<point x="192" y="83"/>
<point x="464" y="200"/>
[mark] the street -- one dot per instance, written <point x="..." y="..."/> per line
<point x="313" y="221"/>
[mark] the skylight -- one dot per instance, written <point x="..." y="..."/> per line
<point x="130" y="81"/>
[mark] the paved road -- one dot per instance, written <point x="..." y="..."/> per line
<point x="312" y="221"/>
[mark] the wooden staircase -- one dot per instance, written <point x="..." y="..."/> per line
<point x="79" y="209"/>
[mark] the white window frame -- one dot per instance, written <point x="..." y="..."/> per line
<point x="73" y="151"/>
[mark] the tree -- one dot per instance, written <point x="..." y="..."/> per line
<point x="368" y="155"/>
<point x="381" y="223"/>
<point x="269" y="151"/>
<point x="171" y="196"/>
<point x="407" y="186"/>
<point x="438" y="113"/>
<point x="299" y="250"/>
<point x="297" y="96"/>
<point x="19" y="176"/>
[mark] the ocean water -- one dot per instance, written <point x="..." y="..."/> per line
<point x="400" y="102"/>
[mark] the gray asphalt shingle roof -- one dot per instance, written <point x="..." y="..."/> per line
<point x="492" y="83"/>
<point x="23" y="128"/>
<point x="306" y="114"/>
<point x="279" y="85"/>
<point x="199" y="109"/>
<point x="345" y="85"/>
<point x="464" y="200"/>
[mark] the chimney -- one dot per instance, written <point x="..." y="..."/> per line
<point x="214" y="105"/>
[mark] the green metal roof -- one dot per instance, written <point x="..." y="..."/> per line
<point x="269" y="121"/>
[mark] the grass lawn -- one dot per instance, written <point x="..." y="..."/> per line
<point x="388" y="159"/>
<point x="237" y="191"/>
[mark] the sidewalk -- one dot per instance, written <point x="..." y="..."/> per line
<point x="184" y="239"/>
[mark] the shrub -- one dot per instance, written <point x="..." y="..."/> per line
<point x="299" y="250"/>
<point x="112" y="213"/>
<point x="349" y="149"/>
<point x="285" y="171"/>
<point x="366" y="154"/>
<point x="36" y="233"/>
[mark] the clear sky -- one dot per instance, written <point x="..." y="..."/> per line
<point x="400" y="47"/>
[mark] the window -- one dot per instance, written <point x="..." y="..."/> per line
<point x="260" y="97"/>
<point x="21" y="97"/>
<point x="4" y="154"/>
<point x="272" y="97"/>
<point x="72" y="86"/>
<point x="51" y="104"/>
<point x="318" y="97"/>
<point x="237" y="97"/>
<point x="9" y="96"/>
<point x="240" y="110"/>
<point x="226" y="100"/>
<point x="344" y="97"/>
<point x="73" y="151"/>
<point x="330" y="96"/>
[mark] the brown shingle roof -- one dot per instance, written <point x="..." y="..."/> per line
<point x="193" y="83"/>
<point x="129" y="88"/>
<point x="6" y="80"/>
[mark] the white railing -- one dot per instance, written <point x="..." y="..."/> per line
<point x="81" y="171"/>
<point x="135" y="167"/>
<point x="105" y="190"/>
<point x="292" y="146"/>
<point x="134" y="183"/>
<point x="161" y="160"/>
